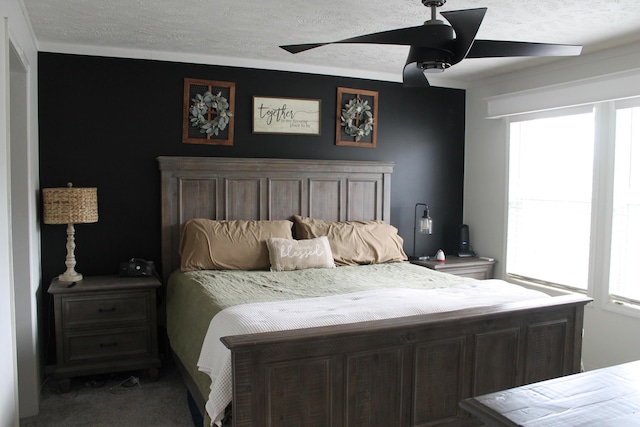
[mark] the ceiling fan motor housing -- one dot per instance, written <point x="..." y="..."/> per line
<point x="427" y="56"/>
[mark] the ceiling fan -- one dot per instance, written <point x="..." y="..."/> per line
<point x="436" y="46"/>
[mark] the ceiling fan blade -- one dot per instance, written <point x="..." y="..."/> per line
<point x="466" y="24"/>
<point x="412" y="76"/>
<point x="499" y="48"/>
<point x="297" y="48"/>
<point x="422" y="35"/>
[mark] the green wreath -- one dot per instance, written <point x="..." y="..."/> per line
<point x="357" y="119"/>
<point x="201" y="105"/>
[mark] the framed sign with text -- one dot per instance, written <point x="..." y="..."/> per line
<point x="286" y="115"/>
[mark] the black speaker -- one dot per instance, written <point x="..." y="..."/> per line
<point x="464" y="247"/>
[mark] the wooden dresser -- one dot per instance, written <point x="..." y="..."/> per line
<point x="105" y="324"/>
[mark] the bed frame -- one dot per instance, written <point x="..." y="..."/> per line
<point x="402" y="372"/>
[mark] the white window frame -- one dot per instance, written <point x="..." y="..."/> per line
<point x="584" y="109"/>
<point x="602" y="204"/>
<point x="610" y="302"/>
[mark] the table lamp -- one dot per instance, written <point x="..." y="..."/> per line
<point x="70" y="205"/>
<point x="422" y="225"/>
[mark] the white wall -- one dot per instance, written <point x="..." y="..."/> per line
<point x="8" y="367"/>
<point x="610" y="337"/>
<point x="19" y="390"/>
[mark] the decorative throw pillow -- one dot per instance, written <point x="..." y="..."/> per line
<point x="229" y="245"/>
<point x="355" y="242"/>
<point x="289" y="254"/>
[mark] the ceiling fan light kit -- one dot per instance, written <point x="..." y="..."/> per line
<point x="435" y="46"/>
<point x="434" y="67"/>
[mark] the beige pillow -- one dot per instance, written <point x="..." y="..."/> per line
<point x="355" y="242"/>
<point x="288" y="254"/>
<point x="228" y="245"/>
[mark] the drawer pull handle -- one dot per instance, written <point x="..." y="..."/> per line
<point x="111" y="344"/>
<point x="106" y="310"/>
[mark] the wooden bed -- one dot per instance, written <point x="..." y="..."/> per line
<point x="410" y="371"/>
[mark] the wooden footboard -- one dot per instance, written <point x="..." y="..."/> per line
<point x="402" y="372"/>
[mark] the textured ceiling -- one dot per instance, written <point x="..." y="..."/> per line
<point x="248" y="32"/>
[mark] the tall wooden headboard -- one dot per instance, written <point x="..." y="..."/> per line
<point x="267" y="189"/>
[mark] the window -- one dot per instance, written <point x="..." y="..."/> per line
<point x="569" y="226"/>
<point x="550" y="186"/>
<point x="625" y="234"/>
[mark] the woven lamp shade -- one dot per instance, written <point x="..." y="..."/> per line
<point x="70" y="205"/>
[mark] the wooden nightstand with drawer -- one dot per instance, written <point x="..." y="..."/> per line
<point x="105" y="324"/>
<point x="467" y="266"/>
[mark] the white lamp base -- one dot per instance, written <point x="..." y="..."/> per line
<point x="71" y="275"/>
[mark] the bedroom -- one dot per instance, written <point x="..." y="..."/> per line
<point x="140" y="81"/>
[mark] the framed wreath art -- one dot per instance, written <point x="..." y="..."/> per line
<point x="357" y="112"/>
<point x="208" y="112"/>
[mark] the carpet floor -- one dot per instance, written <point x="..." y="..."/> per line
<point x="124" y="399"/>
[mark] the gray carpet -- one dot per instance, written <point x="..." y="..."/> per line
<point x="115" y="400"/>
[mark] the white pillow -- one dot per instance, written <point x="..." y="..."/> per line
<point x="288" y="254"/>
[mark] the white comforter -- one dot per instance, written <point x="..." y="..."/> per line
<point x="215" y="358"/>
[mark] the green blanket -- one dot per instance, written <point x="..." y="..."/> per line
<point x="193" y="298"/>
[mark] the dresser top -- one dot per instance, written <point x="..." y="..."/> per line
<point x="453" y="261"/>
<point x="603" y="397"/>
<point x="103" y="283"/>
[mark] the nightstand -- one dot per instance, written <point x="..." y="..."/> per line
<point x="473" y="267"/>
<point x="105" y="324"/>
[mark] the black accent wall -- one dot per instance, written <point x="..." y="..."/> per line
<point x="103" y="122"/>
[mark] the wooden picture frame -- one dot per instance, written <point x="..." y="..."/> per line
<point x="193" y="134"/>
<point x="345" y="95"/>
<point x="294" y="116"/>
